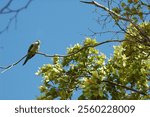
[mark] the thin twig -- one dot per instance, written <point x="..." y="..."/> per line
<point x="104" y="32"/>
<point x="6" y="6"/>
<point x="10" y="66"/>
<point x="7" y="10"/>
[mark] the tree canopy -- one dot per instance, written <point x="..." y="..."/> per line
<point x="124" y="75"/>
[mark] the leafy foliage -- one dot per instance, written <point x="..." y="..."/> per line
<point x="134" y="10"/>
<point x="130" y="66"/>
<point x="124" y="76"/>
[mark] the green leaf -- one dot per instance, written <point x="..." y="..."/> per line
<point x="123" y="4"/>
<point x="130" y="1"/>
<point x="141" y="15"/>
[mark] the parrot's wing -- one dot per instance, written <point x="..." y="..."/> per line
<point x="32" y="51"/>
<point x="28" y="56"/>
<point x="31" y="46"/>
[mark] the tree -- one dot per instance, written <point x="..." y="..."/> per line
<point x="125" y="75"/>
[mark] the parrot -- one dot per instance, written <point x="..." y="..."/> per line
<point x="33" y="49"/>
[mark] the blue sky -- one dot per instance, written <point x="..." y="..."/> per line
<point x="58" y="24"/>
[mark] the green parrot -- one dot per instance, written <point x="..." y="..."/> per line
<point x="34" y="47"/>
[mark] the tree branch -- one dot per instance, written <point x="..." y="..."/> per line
<point x="19" y="9"/>
<point x="104" y="32"/>
<point x="106" y="9"/>
<point x="112" y="13"/>
<point x="128" y="88"/>
<point x="10" y="66"/>
<point x="7" y="10"/>
<point x="116" y="84"/>
<point x="46" y="55"/>
<point x="6" y="6"/>
<point x="100" y="43"/>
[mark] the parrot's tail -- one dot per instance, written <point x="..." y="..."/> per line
<point x="25" y="61"/>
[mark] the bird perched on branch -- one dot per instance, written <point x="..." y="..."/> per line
<point x="33" y="49"/>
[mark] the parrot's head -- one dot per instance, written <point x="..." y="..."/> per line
<point x="38" y="42"/>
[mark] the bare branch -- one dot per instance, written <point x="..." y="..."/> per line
<point x="19" y="9"/>
<point x="6" y="6"/>
<point x="7" y="10"/>
<point x="10" y="66"/>
<point x="47" y="55"/>
<point x="104" y="32"/>
<point x="106" y="9"/>
<point x="9" y="23"/>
